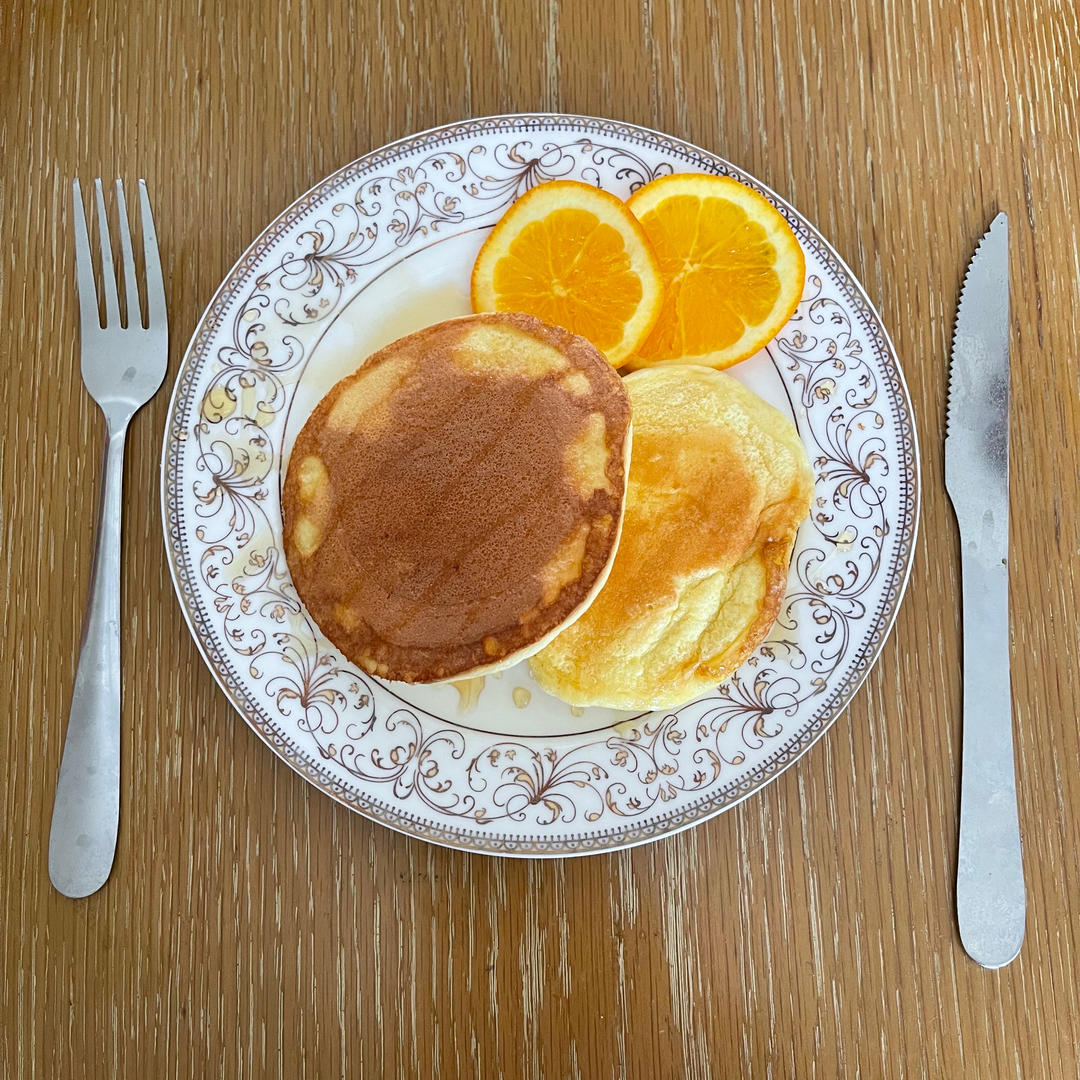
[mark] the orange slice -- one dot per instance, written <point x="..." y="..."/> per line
<point x="733" y="269"/>
<point x="572" y="255"/>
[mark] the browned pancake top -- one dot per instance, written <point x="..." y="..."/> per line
<point x="455" y="500"/>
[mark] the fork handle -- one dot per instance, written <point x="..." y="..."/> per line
<point x="86" y="811"/>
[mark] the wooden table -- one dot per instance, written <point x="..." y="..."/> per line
<point x="252" y="927"/>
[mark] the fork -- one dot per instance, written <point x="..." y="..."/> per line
<point x="123" y="364"/>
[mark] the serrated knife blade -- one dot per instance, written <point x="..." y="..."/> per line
<point x="990" y="897"/>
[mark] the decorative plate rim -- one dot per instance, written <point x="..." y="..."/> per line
<point x="609" y="839"/>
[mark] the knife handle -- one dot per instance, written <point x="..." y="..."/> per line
<point x="990" y="897"/>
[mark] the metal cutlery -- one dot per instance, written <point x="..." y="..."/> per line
<point x="990" y="897"/>
<point x="123" y="364"/>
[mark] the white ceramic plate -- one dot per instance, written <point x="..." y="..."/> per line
<point x="383" y="247"/>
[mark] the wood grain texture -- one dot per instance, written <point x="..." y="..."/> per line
<point x="253" y="928"/>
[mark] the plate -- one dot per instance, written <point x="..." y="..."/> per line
<point x="380" y="248"/>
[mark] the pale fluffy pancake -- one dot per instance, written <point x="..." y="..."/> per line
<point x="457" y="500"/>
<point x="719" y="483"/>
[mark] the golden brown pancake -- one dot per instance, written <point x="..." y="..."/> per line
<point x="454" y="502"/>
<point x="719" y="483"/>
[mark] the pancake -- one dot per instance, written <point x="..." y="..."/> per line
<point x="719" y="484"/>
<point x="457" y="500"/>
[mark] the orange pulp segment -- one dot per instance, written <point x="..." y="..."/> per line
<point x="733" y="270"/>
<point x="573" y="255"/>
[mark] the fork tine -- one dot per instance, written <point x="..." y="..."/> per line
<point x="84" y="263"/>
<point x="112" y="306"/>
<point x="131" y="283"/>
<point x="156" y="316"/>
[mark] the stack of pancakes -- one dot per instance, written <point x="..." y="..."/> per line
<point x="469" y="497"/>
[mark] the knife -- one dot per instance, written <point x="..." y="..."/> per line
<point x="990" y="898"/>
